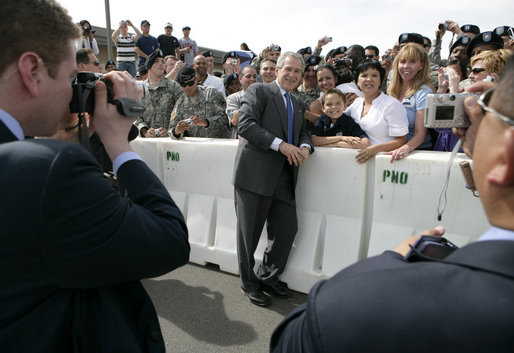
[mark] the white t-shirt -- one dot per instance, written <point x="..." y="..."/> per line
<point x="213" y="81"/>
<point x="87" y="43"/>
<point x="385" y="120"/>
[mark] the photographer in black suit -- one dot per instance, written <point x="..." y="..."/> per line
<point x="462" y="303"/>
<point x="73" y="250"/>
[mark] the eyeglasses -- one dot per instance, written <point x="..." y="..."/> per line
<point x="369" y="56"/>
<point x="426" y="45"/>
<point x="96" y="63"/>
<point x="187" y="84"/>
<point x="477" y="70"/>
<point x="483" y="101"/>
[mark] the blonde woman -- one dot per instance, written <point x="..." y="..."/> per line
<point x="488" y="64"/>
<point x="410" y="85"/>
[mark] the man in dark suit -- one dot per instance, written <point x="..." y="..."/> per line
<point x="73" y="250"/>
<point x="462" y="303"/>
<point x="273" y="144"/>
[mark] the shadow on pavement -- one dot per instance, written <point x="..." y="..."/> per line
<point x="194" y="309"/>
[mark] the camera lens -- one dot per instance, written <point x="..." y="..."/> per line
<point x="452" y="97"/>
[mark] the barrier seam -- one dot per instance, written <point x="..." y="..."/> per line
<point x="317" y="264"/>
<point x="368" y="203"/>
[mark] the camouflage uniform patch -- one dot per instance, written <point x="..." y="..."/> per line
<point x="159" y="103"/>
<point x="210" y="105"/>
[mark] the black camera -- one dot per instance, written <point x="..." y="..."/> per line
<point x="443" y="26"/>
<point x="83" y="99"/>
<point x="430" y="248"/>
<point x="342" y="63"/>
<point x="86" y="29"/>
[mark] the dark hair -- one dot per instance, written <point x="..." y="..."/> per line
<point x="462" y="65"/>
<point x="247" y="67"/>
<point x="244" y="46"/>
<point x="82" y="55"/>
<point x="333" y="91"/>
<point x="345" y="75"/>
<point x="331" y="68"/>
<point x="372" y="47"/>
<point x="22" y="18"/>
<point x="274" y="61"/>
<point x="370" y="64"/>
<point x="83" y="22"/>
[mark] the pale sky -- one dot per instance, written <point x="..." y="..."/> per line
<point x="294" y="24"/>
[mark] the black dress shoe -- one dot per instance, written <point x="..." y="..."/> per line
<point x="257" y="297"/>
<point x="277" y="290"/>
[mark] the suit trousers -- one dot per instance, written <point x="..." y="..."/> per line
<point x="279" y="210"/>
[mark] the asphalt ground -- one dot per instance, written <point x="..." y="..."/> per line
<point x="202" y="309"/>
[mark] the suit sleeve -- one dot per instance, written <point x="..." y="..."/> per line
<point x="91" y="236"/>
<point x="304" y="137"/>
<point x="250" y="117"/>
<point x="299" y="331"/>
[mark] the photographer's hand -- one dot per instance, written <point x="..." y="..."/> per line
<point x="404" y="246"/>
<point x="475" y="115"/>
<point x="199" y="121"/>
<point x="111" y="126"/>
<point x="182" y="126"/>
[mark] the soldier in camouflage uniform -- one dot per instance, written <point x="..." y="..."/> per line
<point x="231" y="63"/>
<point x="200" y="112"/>
<point x="163" y="94"/>
<point x="271" y="51"/>
<point x="309" y="90"/>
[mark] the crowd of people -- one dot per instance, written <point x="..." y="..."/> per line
<point x="407" y="75"/>
<point x="74" y="247"/>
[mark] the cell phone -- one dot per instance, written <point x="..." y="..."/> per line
<point x="182" y="57"/>
<point x="429" y="248"/>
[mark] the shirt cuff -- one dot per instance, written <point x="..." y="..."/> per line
<point x="305" y="145"/>
<point x="122" y="158"/>
<point x="275" y="144"/>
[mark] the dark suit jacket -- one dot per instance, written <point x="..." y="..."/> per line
<point x="384" y="304"/>
<point x="73" y="251"/>
<point x="263" y="117"/>
<point x="5" y="134"/>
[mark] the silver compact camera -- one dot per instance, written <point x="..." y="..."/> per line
<point x="446" y="110"/>
<point x="443" y="26"/>
<point x="189" y="121"/>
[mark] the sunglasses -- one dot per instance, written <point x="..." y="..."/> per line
<point x="96" y="63"/>
<point x="483" y="101"/>
<point x="187" y="84"/>
<point x="369" y="56"/>
<point x="477" y="70"/>
<point x="426" y="45"/>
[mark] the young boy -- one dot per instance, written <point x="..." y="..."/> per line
<point x="335" y="129"/>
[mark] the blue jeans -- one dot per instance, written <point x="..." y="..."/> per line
<point x="130" y="67"/>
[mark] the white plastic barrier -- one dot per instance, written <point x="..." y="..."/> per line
<point x="406" y="196"/>
<point x="345" y="211"/>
